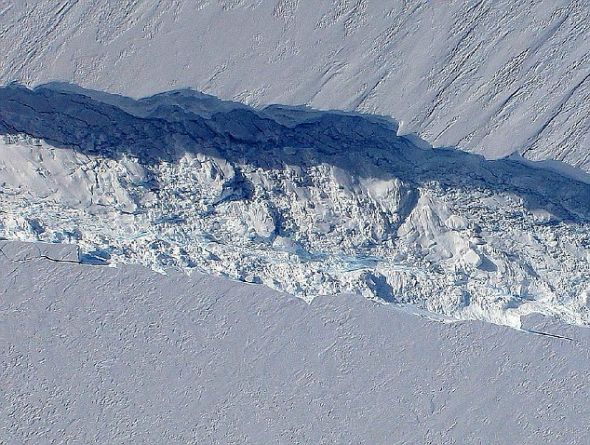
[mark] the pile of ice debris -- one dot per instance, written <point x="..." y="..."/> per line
<point x="306" y="202"/>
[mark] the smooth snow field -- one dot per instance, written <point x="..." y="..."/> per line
<point x="93" y="354"/>
<point x="490" y="76"/>
<point x="306" y="202"/>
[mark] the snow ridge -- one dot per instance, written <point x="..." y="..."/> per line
<point x="302" y="201"/>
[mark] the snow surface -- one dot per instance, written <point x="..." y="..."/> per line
<point x="100" y="355"/>
<point x="310" y="203"/>
<point x="490" y="76"/>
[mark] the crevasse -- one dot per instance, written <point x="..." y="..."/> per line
<point x="303" y="201"/>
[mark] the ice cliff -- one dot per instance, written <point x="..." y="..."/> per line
<point x="487" y="76"/>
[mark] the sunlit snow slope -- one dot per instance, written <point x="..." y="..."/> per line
<point x="302" y="201"/>
<point x="490" y="76"/>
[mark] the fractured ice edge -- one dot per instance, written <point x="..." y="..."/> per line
<point x="304" y="201"/>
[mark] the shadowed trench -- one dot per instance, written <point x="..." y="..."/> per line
<point x="166" y="126"/>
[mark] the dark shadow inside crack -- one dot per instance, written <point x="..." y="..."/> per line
<point x="164" y="127"/>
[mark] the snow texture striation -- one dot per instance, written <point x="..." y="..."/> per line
<point x="489" y="76"/>
<point x="306" y="202"/>
<point x="101" y="355"/>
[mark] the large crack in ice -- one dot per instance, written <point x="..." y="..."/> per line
<point x="302" y="201"/>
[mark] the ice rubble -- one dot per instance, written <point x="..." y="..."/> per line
<point x="305" y="202"/>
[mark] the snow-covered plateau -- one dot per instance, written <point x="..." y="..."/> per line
<point x="306" y="202"/>
<point x="488" y="76"/>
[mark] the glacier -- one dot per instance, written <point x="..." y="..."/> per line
<point x="289" y="221"/>
<point x="303" y="201"/>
